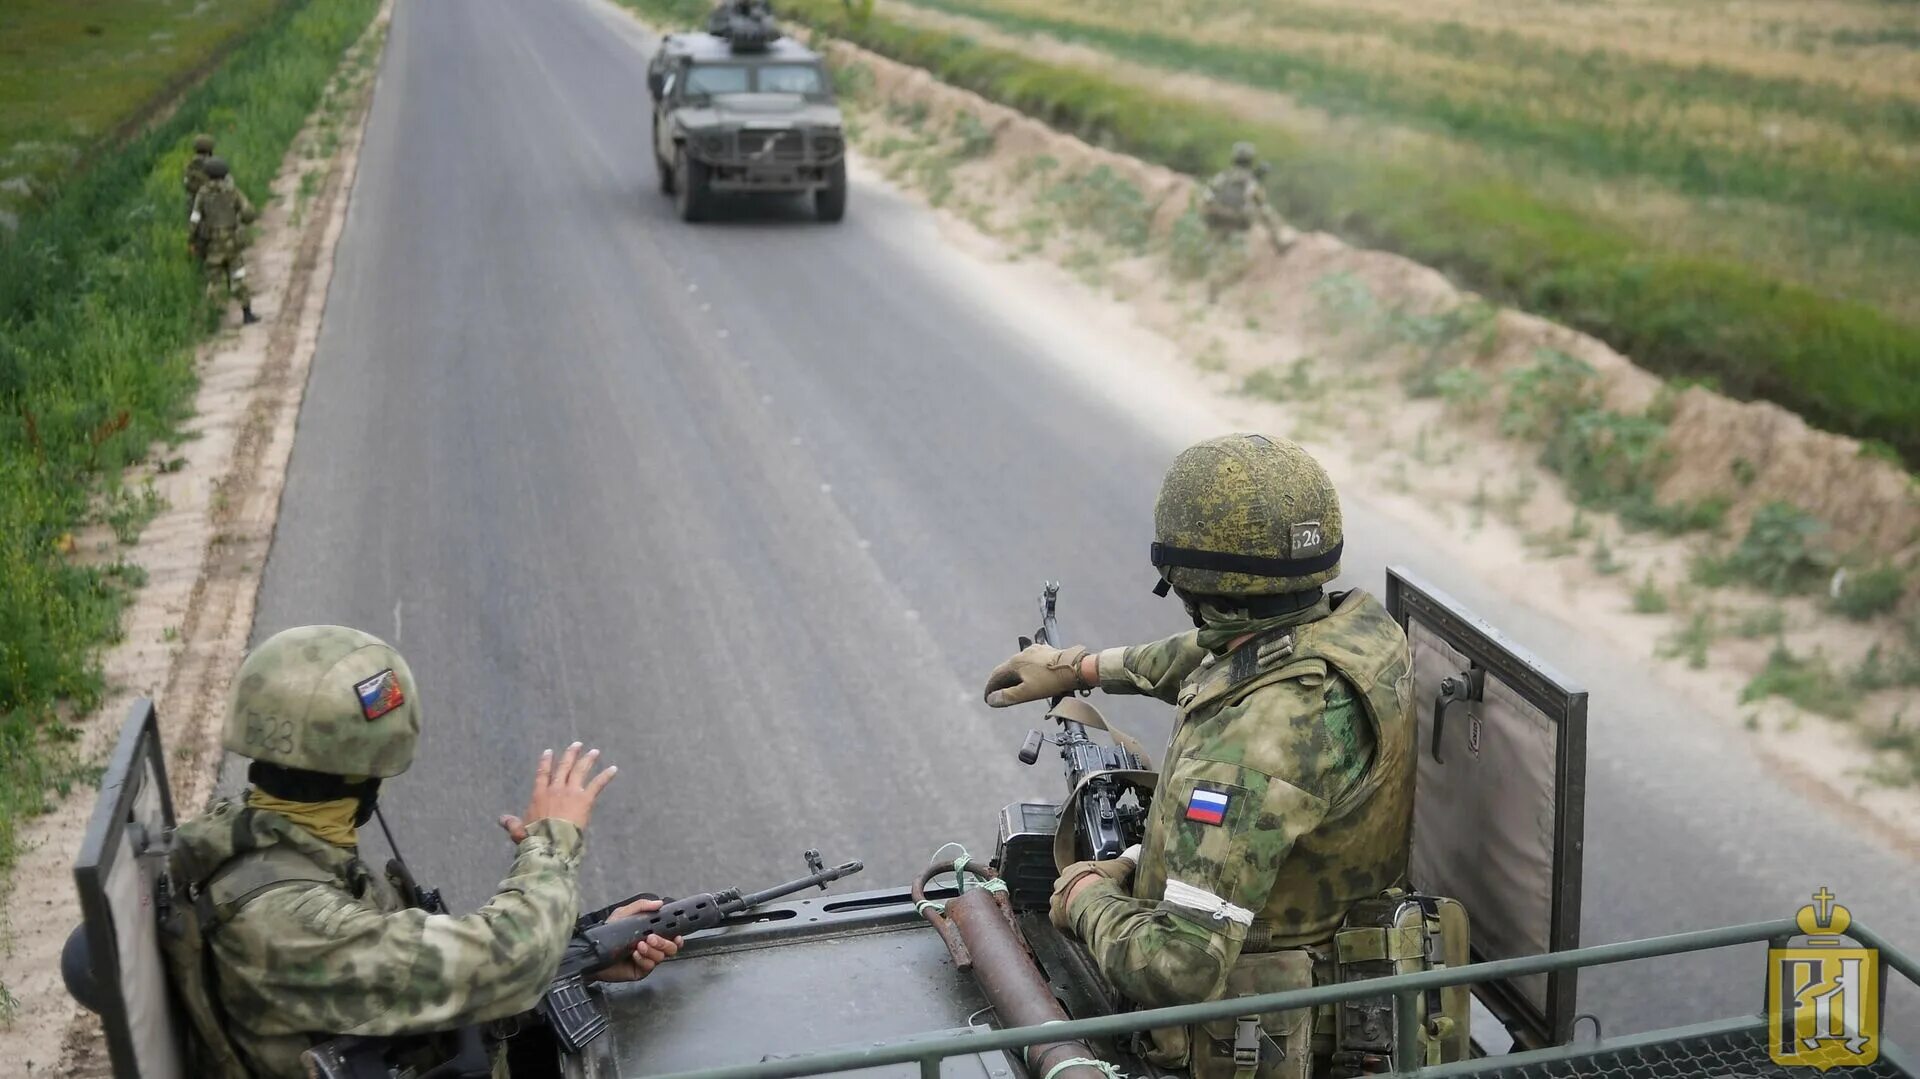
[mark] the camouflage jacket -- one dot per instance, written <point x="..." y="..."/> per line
<point x="1286" y="796"/>
<point x="307" y="960"/>
<point x="1235" y="193"/>
<point x="195" y="176"/>
<point x="219" y="209"/>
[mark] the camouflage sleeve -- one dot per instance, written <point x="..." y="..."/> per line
<point x="1227" y="816"/>
<point x="247" y="212"/>
<point x="319" y="960"/>
<point x="1155" y="669"/>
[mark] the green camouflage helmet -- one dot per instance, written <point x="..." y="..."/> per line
<point x="203" y="144"/>
<point x="325" y="699"/>
<point x="216" y="168"/>
<point x="1243" y="153"/>
<point x="1246" y="515"/>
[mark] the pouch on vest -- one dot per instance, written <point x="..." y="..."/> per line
<point x="190" y="915"/>
<point x="1399" y="933"/>
<point x="1277" y="1045"/>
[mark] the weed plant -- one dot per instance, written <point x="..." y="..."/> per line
<point x="1808" y="681"/>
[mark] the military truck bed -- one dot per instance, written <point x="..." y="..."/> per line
<point x="847" y="971"/>
<point x="809" y="975"/>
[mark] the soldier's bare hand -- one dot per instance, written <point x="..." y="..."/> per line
<point x="562" y="790"/>
<point x="646" y="955"/>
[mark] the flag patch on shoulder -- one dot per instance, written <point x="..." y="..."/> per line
<point x="1207" y="807"/>
<point x="379" y="694"/>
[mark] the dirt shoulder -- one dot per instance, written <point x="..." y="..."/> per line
<point x="203" y="556"/>
<point x="1412" y="388"/>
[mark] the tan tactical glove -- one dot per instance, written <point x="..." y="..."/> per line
<point x="1118" y="870"/>
<point x="1036" y="674"/>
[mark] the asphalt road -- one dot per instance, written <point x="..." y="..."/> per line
<point x="754" y="505"/>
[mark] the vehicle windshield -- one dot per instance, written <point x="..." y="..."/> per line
<point x="790" y="79"/>
<point x="703" y="79"/>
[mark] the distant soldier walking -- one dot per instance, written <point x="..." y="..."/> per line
<point x="220" y="210"/>
<point x="1234" y="199"/>
<point x="194" y="178"/>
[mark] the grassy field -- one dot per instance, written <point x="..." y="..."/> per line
<point x="99" y="313"/>
<point x="1726" y="197"/>
<point x="72" y="74"/>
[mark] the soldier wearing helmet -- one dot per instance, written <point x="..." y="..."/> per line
<point x="218" y="217"/>
<point x="1232" y="201"/>
<point x="1286" y="795"/>
<point x="300" y="940"/>
<point x="196" y="171"/>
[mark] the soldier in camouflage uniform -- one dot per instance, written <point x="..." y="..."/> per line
<point x="196" y="171"/>
<point x="304" y="942"/>
<point x="219" y="218"/>
<point x="1232" y="201"/>
<point x="1286" y="795"/>
<point x="194" y="178"/>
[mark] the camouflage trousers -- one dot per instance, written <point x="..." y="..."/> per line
<point x="1226" y="258"/>
<point x="225" y="263"/>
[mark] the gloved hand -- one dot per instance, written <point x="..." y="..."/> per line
<point x="1036" y="674"/>
<point x="1118" y="870"/>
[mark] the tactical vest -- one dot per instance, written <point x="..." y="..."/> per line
<point x="1307" y="929"/>
<point x="203" y="898"/>
<point x="1362" y="846"/>
<point x="1229" y="201"/>
<point x="219" y="205"/>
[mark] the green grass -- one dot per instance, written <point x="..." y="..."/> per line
<point x="1845" y="364"/>
<point x="72" y="73"/>
<point x="1808" y="681"/>
<point x="1601" y="112"/>
<point x="99" y="314"/>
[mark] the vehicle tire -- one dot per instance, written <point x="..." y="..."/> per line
<point x="830" y="202"/>
<point x="690" y="187"/>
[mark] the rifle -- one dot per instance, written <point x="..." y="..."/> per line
<point x="1107" y="827"/>
<point x="600" y="939"/>
<point x="575" y="1017"/>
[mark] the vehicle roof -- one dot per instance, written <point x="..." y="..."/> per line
<point x="704" y="46"/>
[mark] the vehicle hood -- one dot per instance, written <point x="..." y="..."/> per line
<point x="774" y="110"/>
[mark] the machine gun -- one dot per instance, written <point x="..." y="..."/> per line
<point x="600" y="939"/>
<point x="1108" y="825"/>
<point x="574" y="1016"/>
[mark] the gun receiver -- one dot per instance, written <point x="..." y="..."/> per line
<point x="1107" y="827"/>
<point x="600" y="939"/>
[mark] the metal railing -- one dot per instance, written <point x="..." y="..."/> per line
<point x="928" y="1052"/>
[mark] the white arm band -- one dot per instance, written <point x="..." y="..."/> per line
<point x="1182" y="894"/>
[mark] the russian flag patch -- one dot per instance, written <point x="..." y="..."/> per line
<point x="1207" y="807"/>
<point x="379" y="695"/>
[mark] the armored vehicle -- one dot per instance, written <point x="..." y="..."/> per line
<point x="960" y="975"/>
<point x="746" y="111"/>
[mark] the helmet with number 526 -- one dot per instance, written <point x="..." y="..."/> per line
<point x="1246" y="515"/>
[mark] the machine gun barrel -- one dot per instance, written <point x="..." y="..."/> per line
<point x="1103" y="834"/>
<point x="601" y="939"/>
<point x="598" y="945"/>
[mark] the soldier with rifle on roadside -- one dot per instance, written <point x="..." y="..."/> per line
<point x="282" y="938"/>
<point x="1231" y="203"/>
<point x="1285" y="799"/>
